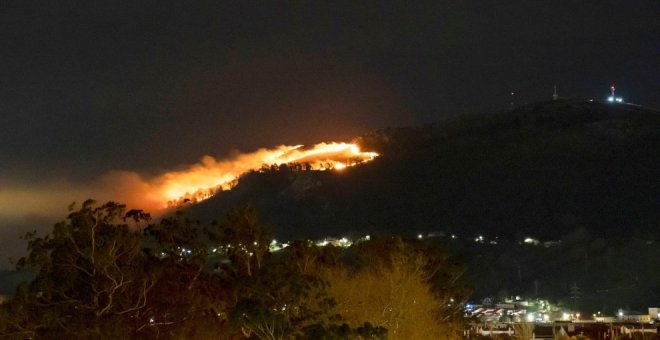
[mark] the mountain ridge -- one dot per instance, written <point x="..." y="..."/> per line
<point x="537" y="170"/>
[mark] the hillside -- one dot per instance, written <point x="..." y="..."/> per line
<point x="541" y="170"/>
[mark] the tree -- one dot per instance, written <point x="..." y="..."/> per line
<point x="92" y="279"/>
<point x="282" y="301"/>
<point x="402" y="286"/>
<point x="243" y="239"/>
<point x="189" y="300"/>
<point x="101" y="277"/>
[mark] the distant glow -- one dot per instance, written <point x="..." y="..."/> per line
<point x="202" y="180"/>
<point x="420" y="236"/>
<point x="531" y="240"/>
<point x="342" y="242"/>
<point x="530" y="317"/>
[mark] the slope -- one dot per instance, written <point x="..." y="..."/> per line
<point x="541" y="170"/>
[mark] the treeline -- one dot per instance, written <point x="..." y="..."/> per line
<point x="284" y="168"/>
<point x="108" y="273"/>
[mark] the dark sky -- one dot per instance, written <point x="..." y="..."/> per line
<point x="91" y="86"/>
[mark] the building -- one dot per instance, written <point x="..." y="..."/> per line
<point x="633" y="316"/>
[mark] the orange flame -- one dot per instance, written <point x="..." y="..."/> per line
<point x="195" y="182"/>
<point x="202" y="180"/>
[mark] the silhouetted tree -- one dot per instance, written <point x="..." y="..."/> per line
<point x="92" y="281"/>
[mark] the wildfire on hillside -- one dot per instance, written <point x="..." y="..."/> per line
<point x="204" y="179"/>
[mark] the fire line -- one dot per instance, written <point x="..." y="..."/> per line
<point x="204" y="179"/>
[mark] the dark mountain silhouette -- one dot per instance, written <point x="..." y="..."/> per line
<point x="541" y="170"/>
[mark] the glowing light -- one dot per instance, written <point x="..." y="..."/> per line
<point x="530" y="317"/>
<point x="203" y="180"/>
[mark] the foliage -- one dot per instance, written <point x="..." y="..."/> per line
<point x="93" y="278"/>
<point x="343" y="331"/>
<point x="403" y="286"/>
<point x="106" y="273"/>
<point x="243" y="239"/>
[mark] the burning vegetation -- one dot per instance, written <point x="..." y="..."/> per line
<point x="204" y="179"/>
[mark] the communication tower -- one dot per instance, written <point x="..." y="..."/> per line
<point x="612" y="98"/>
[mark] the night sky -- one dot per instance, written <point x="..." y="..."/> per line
<point x="87" y="87"/>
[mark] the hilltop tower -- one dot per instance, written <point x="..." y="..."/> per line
<point x="612" y="98"/>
